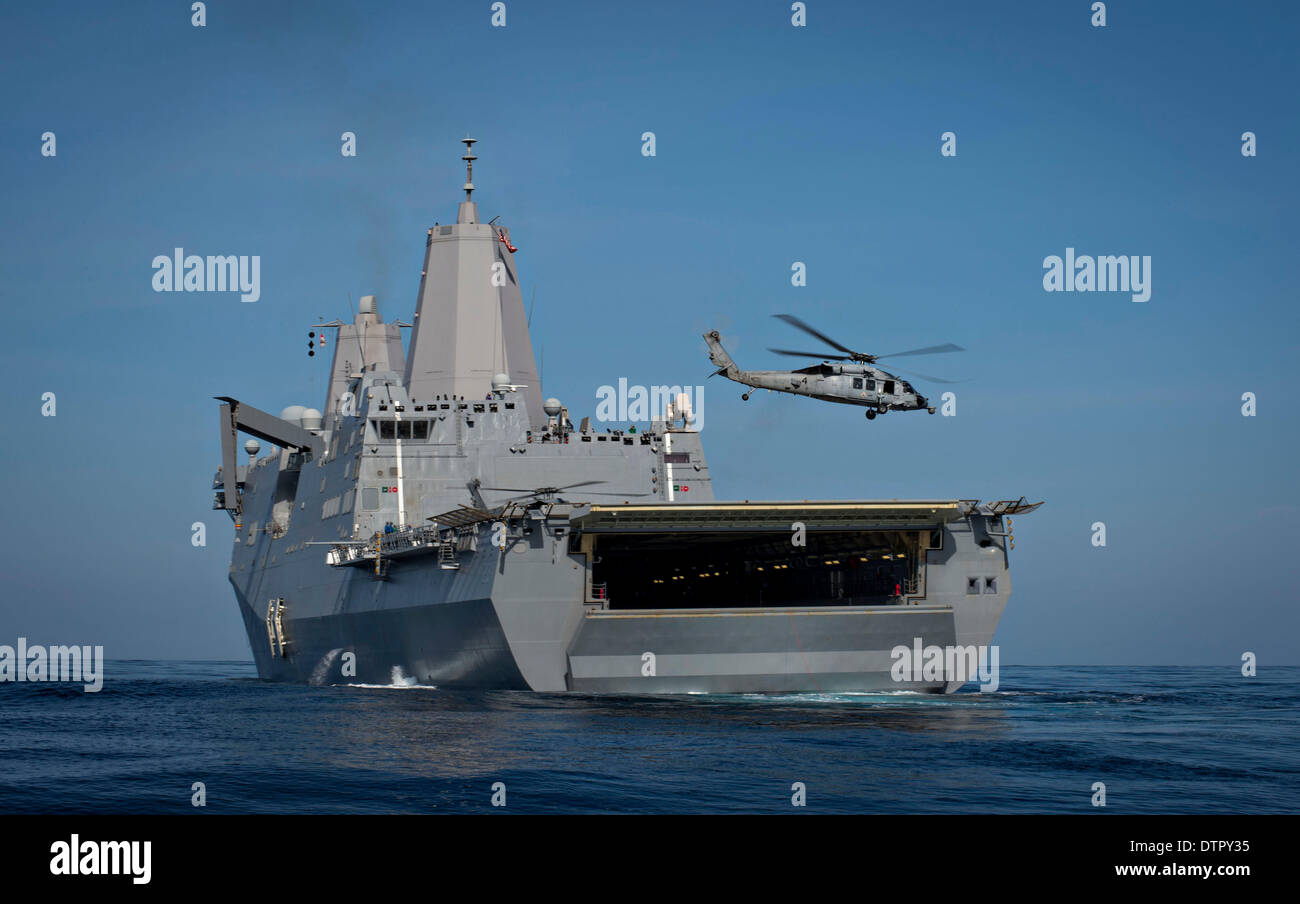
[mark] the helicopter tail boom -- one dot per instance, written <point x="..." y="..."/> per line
<point x="718" y="355"/>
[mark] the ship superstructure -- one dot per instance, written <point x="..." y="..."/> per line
<point x="438" y="521"/>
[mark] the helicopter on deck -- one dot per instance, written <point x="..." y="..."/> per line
<point x="851" y="381"/>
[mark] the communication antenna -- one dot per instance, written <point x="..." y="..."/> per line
<point x="532" y="304"/>
<point x="469" y="159"/>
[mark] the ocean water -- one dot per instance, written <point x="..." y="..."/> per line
<point x="1163" y="740"/>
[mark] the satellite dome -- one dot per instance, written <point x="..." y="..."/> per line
<point x="552" y="407"/>
<point x="500" y="382"/>
<point x="252" y="447"/>
<point x="312" y="419"/>
<point x="368" y="305"/>
<point x="293" y="414"/>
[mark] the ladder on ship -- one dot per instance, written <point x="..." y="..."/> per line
<point x="275" y="628"/>
<point x="447" y="557"/>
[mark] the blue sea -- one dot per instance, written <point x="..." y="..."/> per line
<point x="1163" y="740"/>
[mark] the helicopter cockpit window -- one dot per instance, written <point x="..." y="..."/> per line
<point x="857" y="382"/>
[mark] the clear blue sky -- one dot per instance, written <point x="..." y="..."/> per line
<point x="775" y="144"/>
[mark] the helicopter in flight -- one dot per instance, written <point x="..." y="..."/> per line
<point x="848" y="378"/>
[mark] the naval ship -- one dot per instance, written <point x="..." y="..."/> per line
<point x="439" y="522"/>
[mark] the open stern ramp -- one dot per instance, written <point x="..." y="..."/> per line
<point x="769" y="597"/>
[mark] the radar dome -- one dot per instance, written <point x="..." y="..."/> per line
<point x="252" y="447"/>
<point x="368" y="305"/>
<point x="552" y="407"/>
<point x="500" y="382"/>
<point x="293" y="414"/>
<point x="312" y="419"/>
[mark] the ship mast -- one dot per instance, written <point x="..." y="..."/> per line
<point x="470" y="323"/>
<point x="468" y="212"/>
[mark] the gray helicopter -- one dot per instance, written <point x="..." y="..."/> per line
<point x="854" y="382"/>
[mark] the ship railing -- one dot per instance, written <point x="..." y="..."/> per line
<point x="395" y="544"/>
<point x="409" y="539"/>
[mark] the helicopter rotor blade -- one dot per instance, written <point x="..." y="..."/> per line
<point x="813" y="331"/>
<point x="542" y="491"/>
<point x="928" y="350"/>
<point x="584" y="483"/>
<point x="619" y="495"/>
<point x="928" y="378"/>
<point x="818" y="355"/>
<point x="536" y="490"/>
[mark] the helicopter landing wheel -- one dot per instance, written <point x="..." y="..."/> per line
<point x="871" y="414"/>
<point x="931" y="410"/>
<point x="744" y="397"/>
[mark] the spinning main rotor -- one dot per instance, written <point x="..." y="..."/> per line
<point x="858" y="357"/>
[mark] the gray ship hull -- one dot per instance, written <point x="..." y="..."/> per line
<point x="752" y="651"/>
<point x="462" y="645"/>
<point x="530" y="617"/>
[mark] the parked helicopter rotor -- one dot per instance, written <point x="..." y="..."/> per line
<point x="551" y="494"/>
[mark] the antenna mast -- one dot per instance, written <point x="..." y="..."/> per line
<point x="469" y="159"/>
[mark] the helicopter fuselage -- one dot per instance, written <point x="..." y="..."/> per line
<point x="849" y="384"/>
